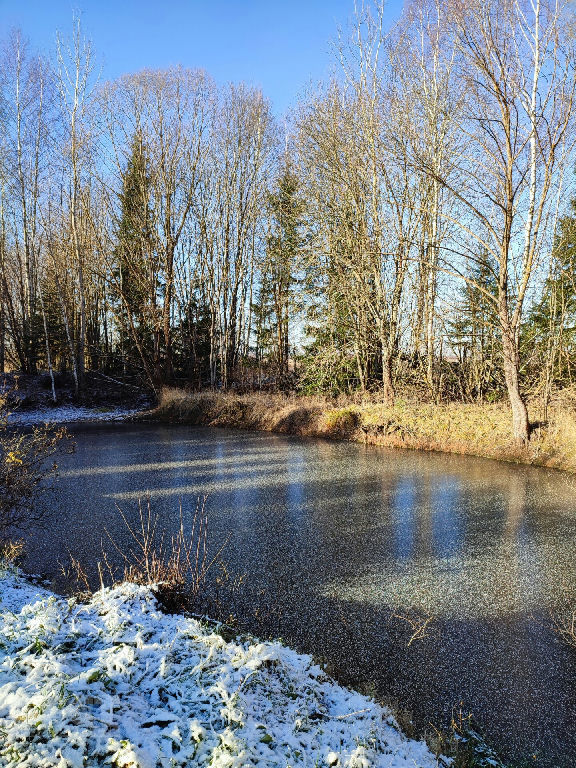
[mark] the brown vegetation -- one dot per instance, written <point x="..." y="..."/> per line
<point x="565" y="625"/>
<point x="11" y="552"/>
<point x="25" y="472"/>
<point x="464" y="428"/>
<point x="176" y="566"/>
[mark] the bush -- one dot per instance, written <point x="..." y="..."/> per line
<point x="175" y="565"/>
<point x="24" y="468"/>
<point x="341" y="421"/>
<point x="11" y="552"/>
<point x="564" y="619"/>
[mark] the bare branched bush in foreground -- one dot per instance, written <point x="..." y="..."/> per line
<point x="175" y="565"/>
<point x="417" y="622"/>
<point x="11" y="552"/>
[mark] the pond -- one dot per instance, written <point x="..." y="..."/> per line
<point x="349" y="551"/>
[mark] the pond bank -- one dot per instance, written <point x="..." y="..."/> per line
<point x="27" y="393"/>
<point x="67" y="414"/>
<point x="117" y="681"/>
<point x="469" y="429"/>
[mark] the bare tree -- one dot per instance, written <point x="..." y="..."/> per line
<point x="242" y="145"/>
<point x="26" y="90"/>
<point x="74" y="74"/>
<point x="170" y="111"/>
<point x="516" y="64"/>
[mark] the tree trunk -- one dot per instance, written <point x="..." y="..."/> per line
<point x="81" y="364"/>
<point x="48" y="355"/>
<point x="387" y="379"/>
<point x="520" y="425"/>
<point x="2" y="341"/>
<point x="168" y="368"/>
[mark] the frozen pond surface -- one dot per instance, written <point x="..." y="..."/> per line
<point x="342" y="544"/>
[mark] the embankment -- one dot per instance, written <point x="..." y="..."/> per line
<point x="473" y="429"/>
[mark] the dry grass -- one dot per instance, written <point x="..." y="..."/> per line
<point x="473" y="429"/>
<point x="176" y="566"/>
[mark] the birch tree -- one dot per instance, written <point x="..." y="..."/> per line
<point x="516" y="66"/>
<point x="27" y="103"/>
<point x="242" y="157"/>
<point x="424" y="66"/>
<point x="75" y="88"/>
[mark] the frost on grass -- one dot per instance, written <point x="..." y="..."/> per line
<point x="67" y="414"/>
<point x="115" y="682"/>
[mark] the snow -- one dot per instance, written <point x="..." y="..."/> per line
<point x="115" y="682"/>
<point x="67" y="414"/>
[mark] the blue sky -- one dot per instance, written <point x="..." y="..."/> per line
<point x="279" y="45"/>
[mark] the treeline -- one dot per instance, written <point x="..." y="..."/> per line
<point x="411" y="227"/>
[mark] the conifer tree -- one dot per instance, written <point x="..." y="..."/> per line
<point x="135" y="276"/>
<point x="549" y="334"/>
<point x="278" y="280"/>
<point x="473" y="335"/>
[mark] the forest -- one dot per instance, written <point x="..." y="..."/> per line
<point x="410" y="225"/>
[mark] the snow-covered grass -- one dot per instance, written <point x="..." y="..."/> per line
<point x="115" y="682"/>
<point x="67" y="414"/>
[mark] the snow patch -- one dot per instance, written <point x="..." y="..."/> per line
<point x="67" y="414"/>
<point x="116" y="682"/>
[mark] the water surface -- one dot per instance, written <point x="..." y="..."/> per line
<point x="345" y="545"/>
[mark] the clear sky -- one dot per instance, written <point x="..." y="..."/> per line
<point x="279" y="45"/>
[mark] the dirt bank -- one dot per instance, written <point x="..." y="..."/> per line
<point x="473" y="429"/>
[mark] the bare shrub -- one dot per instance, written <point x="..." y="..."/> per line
<point x="564" y="623"/>
<point x="417" y="622"/>
<point x="176" y="566"/>
<point x="24" y="472"/>
<point x="11" y="552"/>
<point x="77" y="578"/>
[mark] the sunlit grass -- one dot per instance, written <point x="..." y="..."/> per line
<point x="464" y="428"/>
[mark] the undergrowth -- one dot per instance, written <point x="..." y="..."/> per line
<point x="464" y="744"/>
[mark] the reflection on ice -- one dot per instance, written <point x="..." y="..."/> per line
<point x="336" y="537"/>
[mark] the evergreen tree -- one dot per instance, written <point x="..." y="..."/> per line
<point x="277" y="296"/>
<point x="549" y="334"/>
<point x="473" y="334"/>
<point x="136" y="276"/>
<point x="345" y="352"/>
<point x="192" y="342"/>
